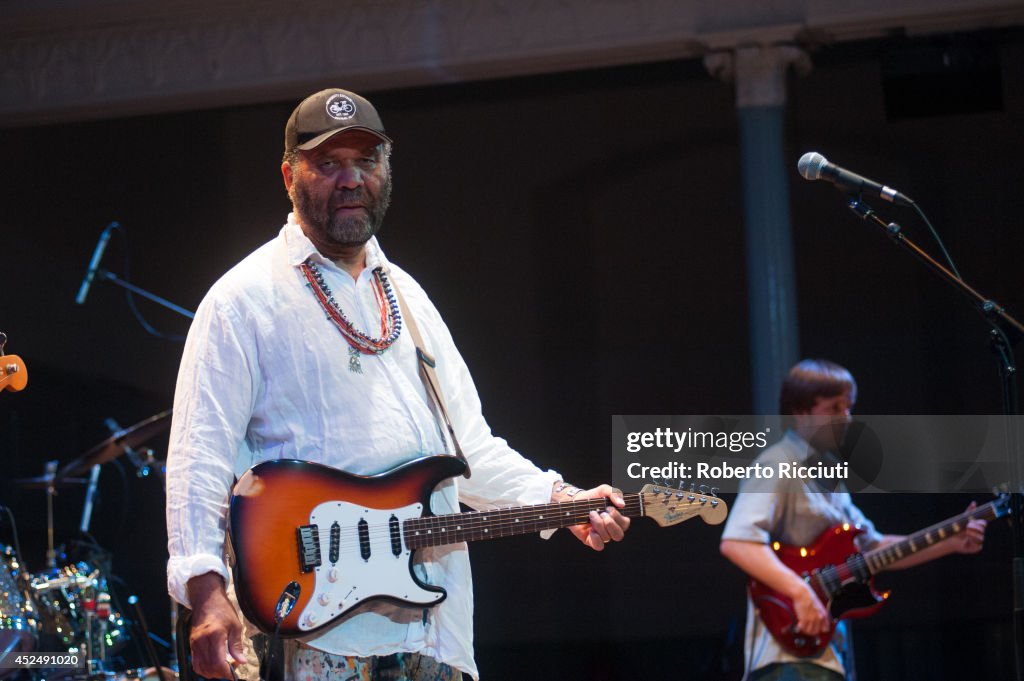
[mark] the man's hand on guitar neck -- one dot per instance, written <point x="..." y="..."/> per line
<point x="606" y="526"/>
<point x="971" y="540"/>
<point x="216" y="636"/>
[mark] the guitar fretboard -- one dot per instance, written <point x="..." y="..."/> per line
<point x="506" y="522"/>
<point x="878" y="559"/>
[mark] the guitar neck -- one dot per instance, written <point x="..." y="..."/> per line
<point x="507" y="522"/>
<point x="879" y="559"/>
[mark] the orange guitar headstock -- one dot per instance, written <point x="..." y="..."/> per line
<point x="669" y="506"/>
<point x="13" y="375"/>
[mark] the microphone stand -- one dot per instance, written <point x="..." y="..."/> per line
<point x="1004" y="333"/>
<point x="114" y="279"/>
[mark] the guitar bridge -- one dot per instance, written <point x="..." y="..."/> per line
<point x="309" y="547"/>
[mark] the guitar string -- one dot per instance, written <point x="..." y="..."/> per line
<point x="889" y="554"/>
<point x="498" y="522"/>
<point x="514" y="519"/>
<point x="505" y="518"/>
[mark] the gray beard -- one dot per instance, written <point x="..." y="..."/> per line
<point x="351" y="230"/>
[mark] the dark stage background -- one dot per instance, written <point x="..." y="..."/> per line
<point x="582" y="234"/>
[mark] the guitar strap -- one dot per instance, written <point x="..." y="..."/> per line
<point x="428" y="374"/>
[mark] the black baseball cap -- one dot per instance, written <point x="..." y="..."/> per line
<point x="328" y="113"/>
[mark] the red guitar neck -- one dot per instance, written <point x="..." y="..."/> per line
<point x="879" y="559"/>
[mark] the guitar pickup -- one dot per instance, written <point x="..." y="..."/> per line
<point x="335" y="551"/>
<point x="395" y="530"/>
<point x="309" y="547"/>
<point x="364" y="539"/>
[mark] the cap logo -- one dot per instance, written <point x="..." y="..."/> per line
<point x="340" y="107"/>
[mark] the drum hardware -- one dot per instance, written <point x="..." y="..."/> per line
<point x="173" y="655"/>
<point x="19" y="624"/>
<point x="122" y="441"/>
<point x="49" y="481"/>
<point x="90" y="497"/>
<point x="148" y="674"/>
<point x="68" y="606"/>
<point x="147" y="638"/>
<point x="18" y="617"/>
<point x="117" y="444"/>
<point x="143" y="461"/>
<point x="57" y="609"/>
<point x="66" y="579"/>
<point x="75" y="613"/>
<point x="97" y="613"/>
<point x="44" y="481"/>
<point x="51" y="492"/>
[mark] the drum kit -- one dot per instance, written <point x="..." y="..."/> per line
<point x="69" y="607"/>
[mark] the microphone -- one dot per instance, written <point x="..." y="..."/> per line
<point x="94" y="264"/>
<point x="814" y="166"/>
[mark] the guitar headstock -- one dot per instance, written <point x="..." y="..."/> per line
<point x="669" y="506"/>
<point x="13" y="373"/>
<point x="1001" y="505"/>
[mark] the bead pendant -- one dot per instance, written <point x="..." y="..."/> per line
<point x="354" y="365"/>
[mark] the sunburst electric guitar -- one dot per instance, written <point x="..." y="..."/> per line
<point x="310" y="542"/>
<point x="842" y="577"/>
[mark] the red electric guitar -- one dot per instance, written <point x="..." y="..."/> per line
<point x="843" y="578"/>
<point x="311" y="543"/>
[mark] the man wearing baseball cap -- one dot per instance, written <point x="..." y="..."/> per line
<point x="312" y="348"/>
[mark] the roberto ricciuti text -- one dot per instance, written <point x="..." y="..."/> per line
<point x="726" y="471"/>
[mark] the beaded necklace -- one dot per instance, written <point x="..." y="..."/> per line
<point x="358" y="342"/>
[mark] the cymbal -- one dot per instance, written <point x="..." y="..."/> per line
<point x="114" y="446"/>
<point x="43" y="481"/>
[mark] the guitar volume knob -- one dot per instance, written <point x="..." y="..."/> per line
<point x="323" y="599"/>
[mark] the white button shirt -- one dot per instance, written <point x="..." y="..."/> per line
<point x="265" y="375"/>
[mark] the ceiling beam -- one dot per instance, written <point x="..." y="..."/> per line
<point x="66" y="60"/>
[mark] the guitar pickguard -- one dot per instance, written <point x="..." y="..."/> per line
<point x="372" y="560"/>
